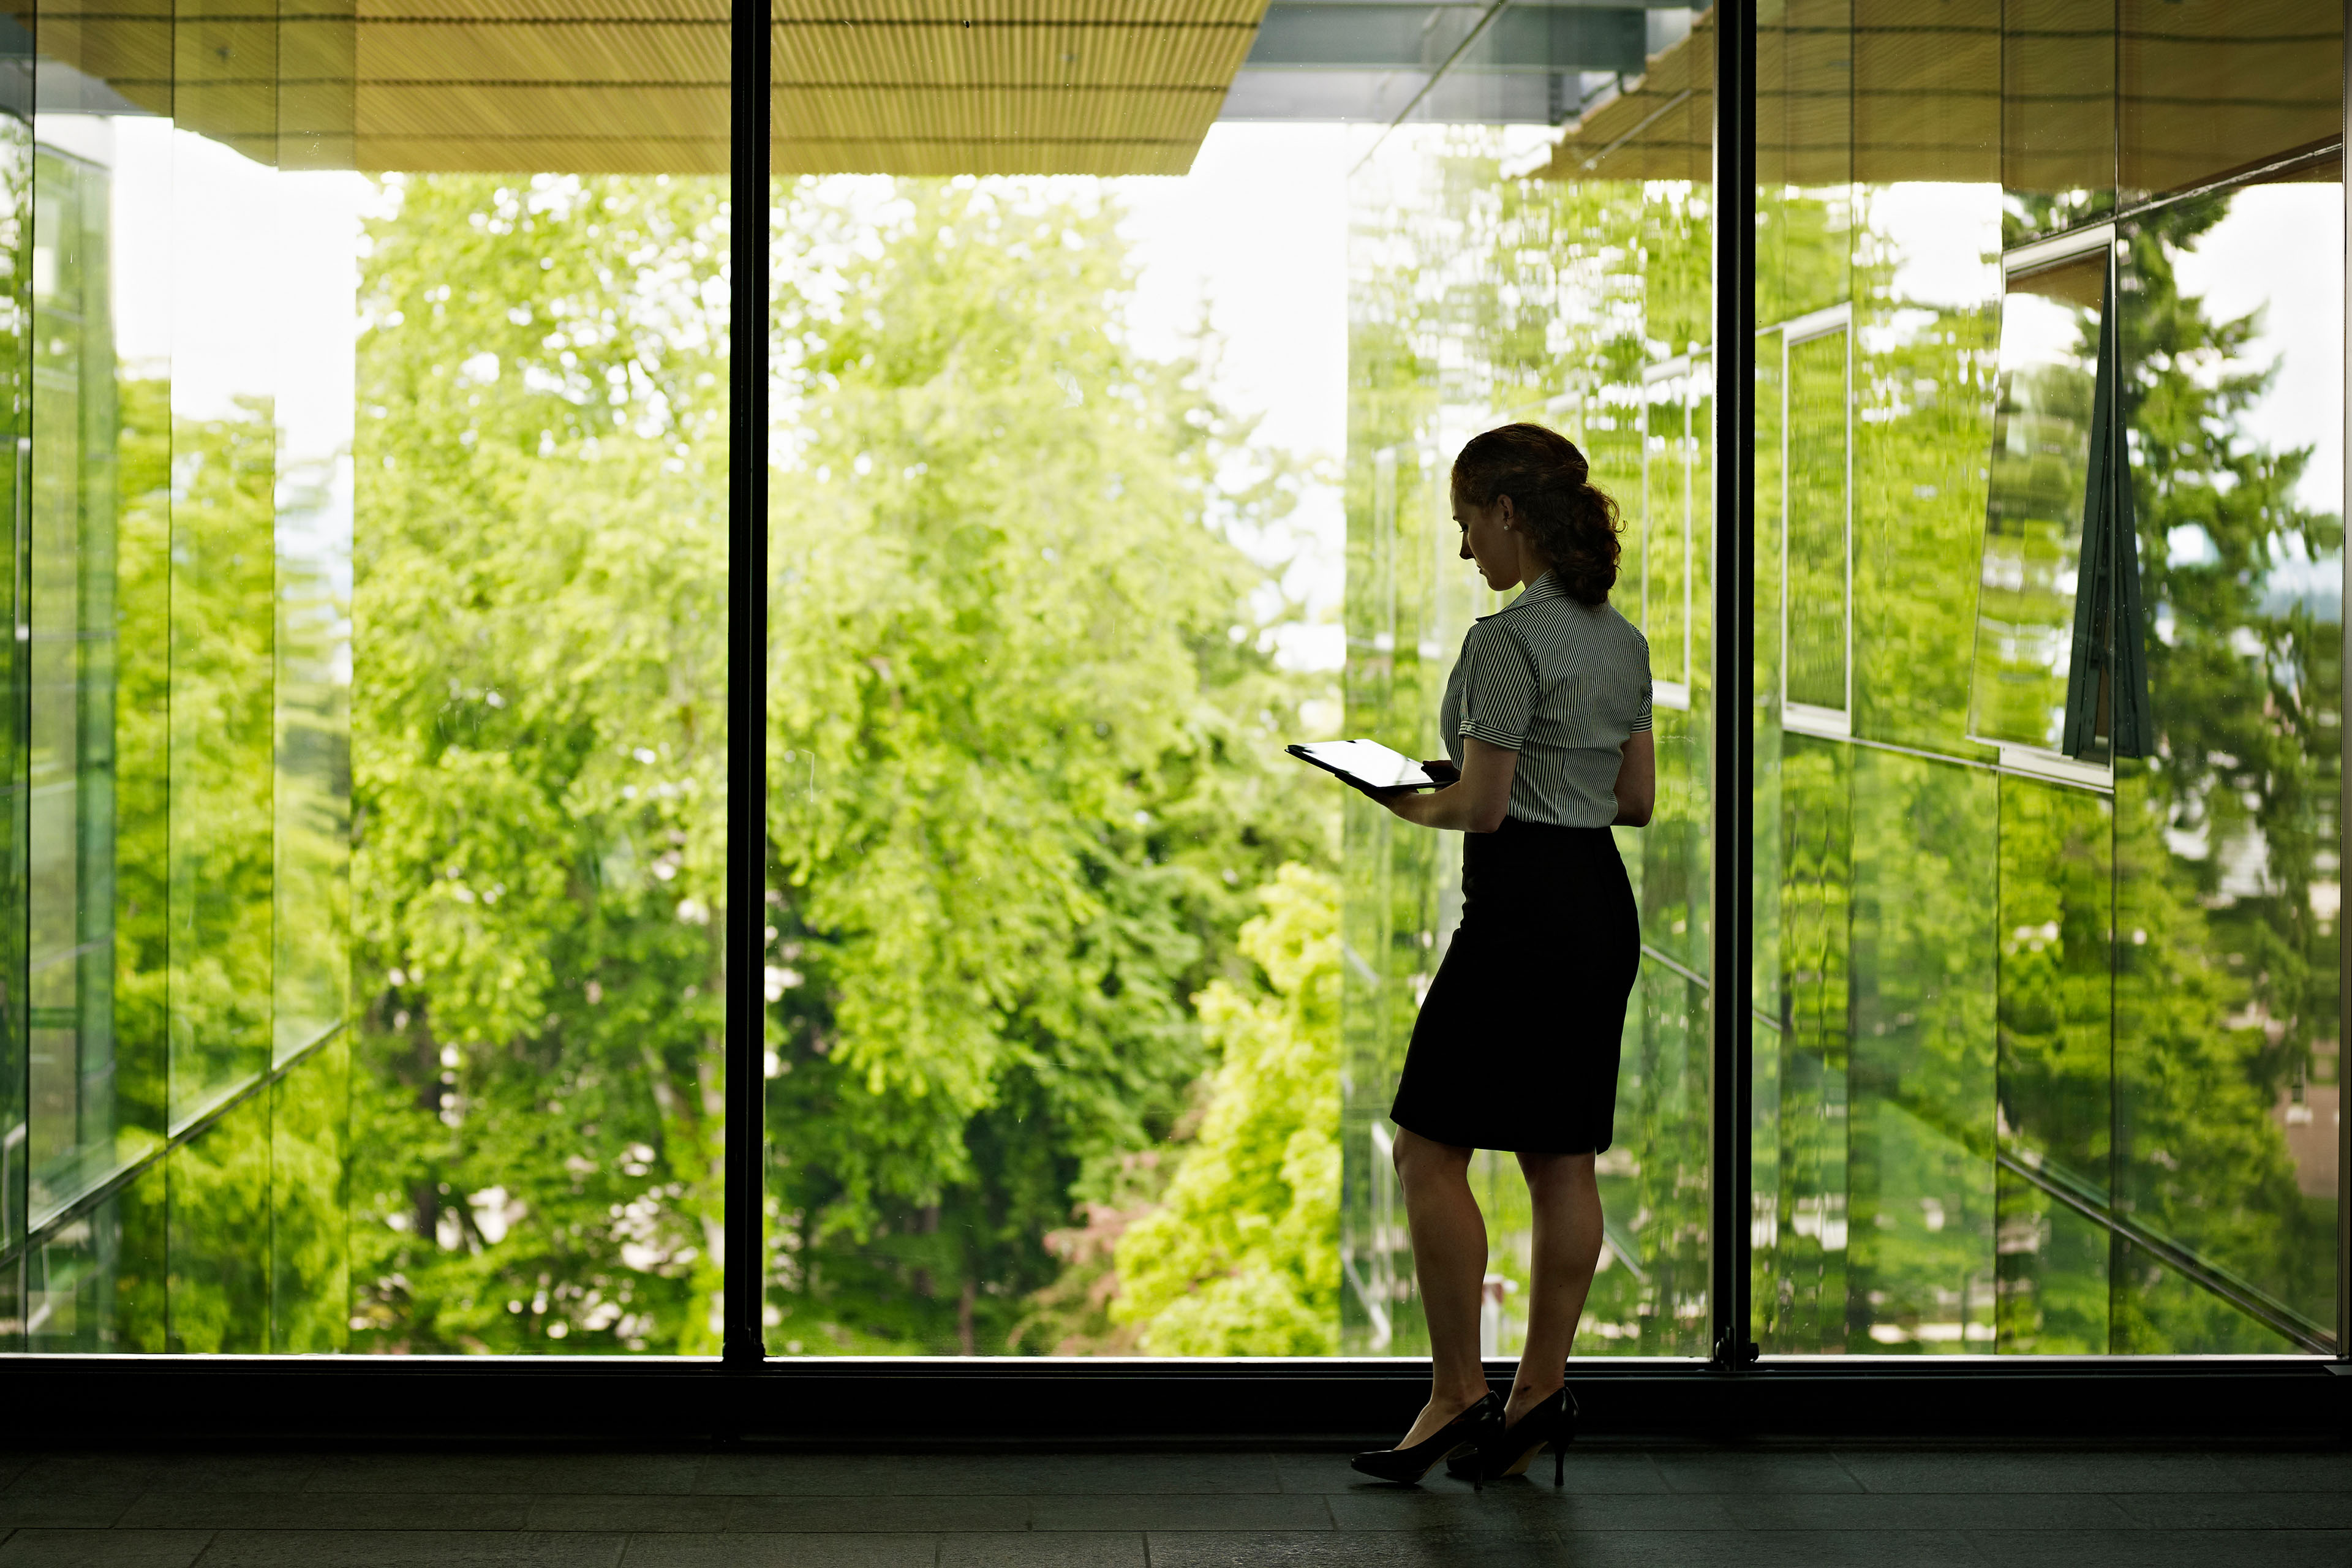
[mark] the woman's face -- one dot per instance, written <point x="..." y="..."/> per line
<point x="1490" y="536"/>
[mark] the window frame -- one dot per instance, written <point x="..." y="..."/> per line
<point x="98" y="1397"/>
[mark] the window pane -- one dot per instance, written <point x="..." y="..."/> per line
<point x="1819" y="521"/>
<point x="1771" y="563"/>
<point x="2228" y="1012"/>
<point x="2033" y="528"/>
<point x="2058" y="114"/>
<point x="373" y="536"/>
<point x="1920" y="1210"/>
<point x="2072" y="994"/>
<point x="1800" y="1304"/>
<point x="2206" y="92"/>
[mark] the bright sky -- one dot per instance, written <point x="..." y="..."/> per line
<point x="1258" y="231"/>
<point x="1256" y="234"/>
<point x="2281" y="251"/>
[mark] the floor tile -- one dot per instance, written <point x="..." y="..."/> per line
<point x="801" y="1475"/>
<point x="2162" y="1549"/>
<point x="1751" y="1471"/>
<point x="1748" y="1549"/>
<point x="1039" y="1550"/>
<point x="1590" y="1469"/>
<point x="328" y="1510"/>
<point x="1068" y="1475"/>
<point x="63" y="1509"/>
<point x="1925" y="1510"/>
<point x="2288" y="1472"/>
<point x="1398" y="1549"/>
<point x="164" y="1472"/>
<point x="633" y="1515"/>
<point x="487" y="1472"/>
<point x="876" y="1551"/>
<point x="2033" y="1471"/>
<point x="102" y="1548"/>
<point x="1519" y="1507"/>
<point x="2236" y="1510"/>
<point x="1261" y="1511"/>
<point x="410" y="1549"/>
<point x="847" y="1515"/>
<point x="258" y="1472"/>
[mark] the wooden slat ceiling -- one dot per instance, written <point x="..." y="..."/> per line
<point x="2065" y="95"/>
<point x="907" y="87"/>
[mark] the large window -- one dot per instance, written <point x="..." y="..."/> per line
<point x="401" y="879"/>
<point x="369" y="731"/>
<point x="1504" y="273"/>
<point x="2049" y="945"/>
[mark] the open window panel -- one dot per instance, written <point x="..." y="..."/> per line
<point x="1676" y="404"/>
<point x="2058" y="681"/>
<point x="1817" y="542"/>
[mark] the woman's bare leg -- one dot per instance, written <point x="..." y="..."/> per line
<point x="1567" y="1248"/>
<point x="1449" y="1256"/>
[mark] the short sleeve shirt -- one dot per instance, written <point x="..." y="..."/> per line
<point x="1563" y="684"/>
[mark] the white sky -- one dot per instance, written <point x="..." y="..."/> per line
<point x="2281" y="250"/>
<point x="1257" y="232"/>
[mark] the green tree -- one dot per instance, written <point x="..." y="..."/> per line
<point x="1025" y="758"/>
<point x="1022" y="753"/>
<point x="1243" y="1257"/>
<point x="539" y="754"/>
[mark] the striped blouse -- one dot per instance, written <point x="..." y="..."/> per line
<point x="1564" y="685"/>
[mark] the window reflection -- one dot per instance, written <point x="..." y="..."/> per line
<point x="2227" y="879"/>
<point x="1816" y="613"/>
<point x="235" y="1117"/>
<point x="2109" y="453"/>
<point x="2205" y="91"/>
<point x="364" y="796"/>
<point x="2039" y="484"/>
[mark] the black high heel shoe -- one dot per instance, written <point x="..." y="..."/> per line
<point x="1510" y="1449"/>
<point x="1407" y="1467"/>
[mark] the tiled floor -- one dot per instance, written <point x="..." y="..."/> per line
<point x="1678" y="1507"/>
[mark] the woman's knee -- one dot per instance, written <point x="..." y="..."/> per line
<point x="1557" y="1178"/>
<point x="1424" y="1161"/>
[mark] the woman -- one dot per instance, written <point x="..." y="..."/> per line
<point x="1547" y="717"/>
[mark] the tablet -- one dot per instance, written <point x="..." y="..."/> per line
<point x="1367" y="764"/>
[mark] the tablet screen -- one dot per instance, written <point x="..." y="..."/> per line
<point x="1366" y="762"/>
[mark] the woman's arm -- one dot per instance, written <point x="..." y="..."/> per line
<point x="1477" y="804"/>
<point x="1637" y="780"/>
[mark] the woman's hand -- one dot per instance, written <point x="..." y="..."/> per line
<point x="1477" y="804"/>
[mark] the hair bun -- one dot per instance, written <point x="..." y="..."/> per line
<point x="1571" y="521"/>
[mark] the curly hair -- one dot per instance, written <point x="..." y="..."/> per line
<point x="1571" y="521"/>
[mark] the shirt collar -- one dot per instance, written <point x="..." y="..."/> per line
<point x="1544" y="587"/>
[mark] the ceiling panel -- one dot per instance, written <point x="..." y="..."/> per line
<point x="1102" y="87"/>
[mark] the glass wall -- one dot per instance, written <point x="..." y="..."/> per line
<point x="362" y="909"/>
<point x="1501" y="273"/>
<point x="2049" y="451"/>
<point x="368" y="738"/>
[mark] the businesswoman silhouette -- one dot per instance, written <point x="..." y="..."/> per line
<point x="1547" y="716"/>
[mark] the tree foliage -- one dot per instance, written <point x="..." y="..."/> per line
<point x="1018" y="739"/>
<point x="1241" y="1257"/>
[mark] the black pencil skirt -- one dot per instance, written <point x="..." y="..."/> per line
<point x="1517" y="1043"/>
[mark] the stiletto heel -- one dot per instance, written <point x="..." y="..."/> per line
<point x="1511" y="1449"/>
<point x="1406" y="1467"/>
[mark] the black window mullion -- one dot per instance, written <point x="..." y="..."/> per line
<point x="746" y="687"/>
<point x="1732" y="1079"/>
